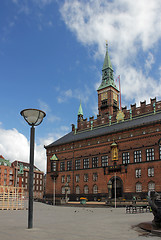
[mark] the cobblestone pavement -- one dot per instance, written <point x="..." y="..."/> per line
<point x="73" y="223"/>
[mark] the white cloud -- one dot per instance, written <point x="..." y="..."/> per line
<point x="46" y="108"/>
<point x="75" y="93"/>
<point x="53" y="118"/>
<point x="64" y="128"/>
<point x="43" y="3"/>
<point x="131" y="28"/>
<point x="68" y="93"/>
<point x="15" y="1"/>
<point x="15" y="146"/>
<point x="11" y="24"/>
<point x="149" y="62"/>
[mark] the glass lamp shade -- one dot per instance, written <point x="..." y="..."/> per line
<point x="33" y="116"/>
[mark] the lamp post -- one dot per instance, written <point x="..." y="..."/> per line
<point x="33" y="117"/>
<point x="109" y="188"/>
<point x="54" y="173"/>
<point x="66" y="192"/>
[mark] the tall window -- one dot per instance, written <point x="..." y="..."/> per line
<point x="68" y="191"/>
<point x="68" y="178"/>
<point x="95" y="177"/>
<point x="125" y="158"/>
<point x="151" y="186"/>
<point x="77" y="164"/>
<point x="138" y="173"/>
<point x="63" y="179"/>
<point x="151" y="172"/>
<point x="160" y="151"/>
<point x="86" y="163"/>
<point x="150" y="154"/>
<point x="77" y="190"/>
<point x="104" y="161"/>
<point x="86" y="177"/>
<point x="62" y="166"/>
<point x="53" y="166"/>
<point x="69" y="165"/>
<point x="138" y="187"/>
<point x="63" y="190"/>
<point x="137" y="156"/>
<point x="95" y="162"/>
<point x="86" y="190"/>
<point x="95" y="189"/>
<point x="77" y="178"/>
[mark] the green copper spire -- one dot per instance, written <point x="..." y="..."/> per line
<point x="80" y="111"/>
<point x="107" y="61"/>
<point x="107" y="72"/>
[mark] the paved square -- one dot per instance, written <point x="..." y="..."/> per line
<point x="72" y="223"/>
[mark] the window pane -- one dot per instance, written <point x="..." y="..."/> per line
<point x="125" y="158"/>
<point x="85" y="163"/>
<point x="104" y="160"/>
<point x="95" y="162"/>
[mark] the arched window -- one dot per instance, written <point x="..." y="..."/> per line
<point x="95" y="189"/>
<point x="63" y="190"/>
<point x="138" y="187"/>
<point x="159" y="142"/>
<point x="151" y="186"/>
<point x="86" y="189"/>
<point x="77" y="190"/>
<point x="68" y="192"/>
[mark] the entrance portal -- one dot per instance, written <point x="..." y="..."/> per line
<point x="119" y="187"/>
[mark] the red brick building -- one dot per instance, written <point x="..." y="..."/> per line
<point x="119" y="146"/>
<point x="21" y="176"/>
<point x="6" y="172"/>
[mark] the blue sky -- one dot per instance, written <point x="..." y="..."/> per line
<point x="51" y="57"/>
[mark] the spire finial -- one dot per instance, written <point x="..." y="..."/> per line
<point x="106" y="45"/>
<point x="80" y="111"/>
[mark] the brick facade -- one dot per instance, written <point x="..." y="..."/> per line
<point x="84" y="156"/>
<point x="22" y="180"/>
<point x="129" y="141"/>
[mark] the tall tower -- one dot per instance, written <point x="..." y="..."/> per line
<point x="80" y="113"/>
<point x="80" y="116"/>
<point x="108" y="94"/>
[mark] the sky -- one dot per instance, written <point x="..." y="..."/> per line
<point x="51" y="57"/>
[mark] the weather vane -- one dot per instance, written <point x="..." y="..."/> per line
<point x="106" y="45"/>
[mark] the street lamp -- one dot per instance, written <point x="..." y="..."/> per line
<point x="33" y="117"/>
<point x="54" y="173"/>
<point x="109" y="185"/>
<point x="66" y="192"/>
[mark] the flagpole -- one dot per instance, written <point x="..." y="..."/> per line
<point x="120" y="91"/>
<point x="115" y="189"/>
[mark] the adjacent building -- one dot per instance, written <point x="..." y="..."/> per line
<point x="6" y="172"/>
<point x="16" y="174"/>
<point x="119" y="152"/>
<point x="21" y="176"/>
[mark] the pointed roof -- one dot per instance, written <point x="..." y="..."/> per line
<point x="106" y="130"/>
<point x="80" y="111"/>
<point x="54" y="158"/>
<point x="107" y="73"/>
<point x="107" y="61"/>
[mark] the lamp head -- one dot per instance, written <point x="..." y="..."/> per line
<point x="33" y="116"/>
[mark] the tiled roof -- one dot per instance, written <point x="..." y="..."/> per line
<point x="25" y="164"/>
<point x="106" y="129"/>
